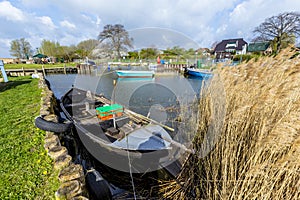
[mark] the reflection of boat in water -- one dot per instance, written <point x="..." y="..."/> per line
<point x="134" y="74"/>
<point x="198" y="72"/>
<point x="112" y="133"/>
<point x="152" y="66"/>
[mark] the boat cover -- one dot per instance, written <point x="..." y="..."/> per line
<point x="149" y="137"/>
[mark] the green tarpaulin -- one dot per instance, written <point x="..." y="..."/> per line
<point x="39" y="55"/>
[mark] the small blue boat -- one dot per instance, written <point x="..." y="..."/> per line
<point x="134" y="74"/>
<point x="197" y="72"/>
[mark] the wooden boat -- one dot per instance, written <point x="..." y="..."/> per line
<point x="197" y="72"/>
<point x="118" y="137"/>
<point x="134" y="74"/>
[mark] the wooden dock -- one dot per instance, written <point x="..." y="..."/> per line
<point x="81" y="69"/>
<point x="44" y="71"/>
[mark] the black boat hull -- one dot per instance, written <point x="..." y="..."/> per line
<point x="116" y="158"/>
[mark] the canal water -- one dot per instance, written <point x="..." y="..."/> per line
<point x="162" y="98"/>
<point x="166" y="98"/>
<point x="104" y="83"/>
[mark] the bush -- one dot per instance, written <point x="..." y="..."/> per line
<point x="245" y="57"/>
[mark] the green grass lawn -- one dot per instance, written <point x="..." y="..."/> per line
<point x="26" y="171"/>
<point x="37" y="66"/>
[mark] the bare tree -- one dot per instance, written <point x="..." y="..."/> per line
<point x="213" y="46"/>
<point x="117" y="36"/>
<point x="283" y="28"/>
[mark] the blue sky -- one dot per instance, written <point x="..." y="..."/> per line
<point x="202" y="22"/>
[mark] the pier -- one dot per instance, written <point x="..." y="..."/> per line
<point x="79" y="69"/>
<point x="44" y="71"/>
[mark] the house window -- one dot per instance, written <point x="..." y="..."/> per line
<point x="231" y="45"/>
<point x="229" y="50"/>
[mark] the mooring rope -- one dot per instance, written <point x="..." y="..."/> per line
<point x="130" y="171"/>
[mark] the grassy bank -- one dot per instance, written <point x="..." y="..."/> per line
<point x="26" y="171"/>
<point x="37" y="66"/>
<point x="257" y="150"/>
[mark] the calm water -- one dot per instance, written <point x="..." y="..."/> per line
<point x="103" y="83"/>
<point x="162" y="98"/>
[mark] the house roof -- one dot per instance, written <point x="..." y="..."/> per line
<point x="234" y="44"/>
<point x="258" y="46"/>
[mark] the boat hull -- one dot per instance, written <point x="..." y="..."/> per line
<point x="101" y="148"/>
<point x="198" y="73"/>
<point x="119" y="159"/>
<point x="135" y="74"/>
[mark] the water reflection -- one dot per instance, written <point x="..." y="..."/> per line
<point x="103" y="83"/>
<point x="168" y="98"/>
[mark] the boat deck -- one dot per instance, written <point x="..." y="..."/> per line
<point x="108" y="134"/>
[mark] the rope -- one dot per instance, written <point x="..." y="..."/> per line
<point x="130" y="171"/>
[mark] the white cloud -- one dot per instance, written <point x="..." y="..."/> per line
<point x="204" y="21"/>
<point x="10" y="12"/>
<point x="46" y="21"/>
<point x="5" y="42"/>
<point x="67" y="24"/>
<point x="222" y="29"/>
<point x="34" y="3"/>
<point x="249" y="14"/>
<point x="98" y="22"/>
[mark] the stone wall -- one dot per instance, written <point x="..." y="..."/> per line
<point x="71" y="176"/>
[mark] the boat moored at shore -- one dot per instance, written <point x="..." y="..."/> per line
<point x="118" y="137"/>
<point x="198" y="72"/>
<point x="134" y="74"/>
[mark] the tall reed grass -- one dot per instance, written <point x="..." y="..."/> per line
<point x="257" y="151"/>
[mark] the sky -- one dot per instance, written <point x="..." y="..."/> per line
<point x="151" y="23"/>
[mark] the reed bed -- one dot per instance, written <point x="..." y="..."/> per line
<point x="255" y="152"/>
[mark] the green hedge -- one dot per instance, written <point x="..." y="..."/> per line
<point x="245" y="57"/>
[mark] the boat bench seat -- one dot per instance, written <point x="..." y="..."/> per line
<point x="76" y="104"/>
<point x="121" y="133"/>
<point x="126" y="129"/>
<point x="114" y="133"/>
<point x="92" y="112"/>
<point x="93" y="103"/>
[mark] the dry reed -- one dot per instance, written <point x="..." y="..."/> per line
<point x="257" y="151"/>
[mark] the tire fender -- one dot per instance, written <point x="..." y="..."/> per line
<point x="45" y="125"/>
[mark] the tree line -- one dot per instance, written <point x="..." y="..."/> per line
<point x="21" y="48"/>
<point x="280" y="31"/>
